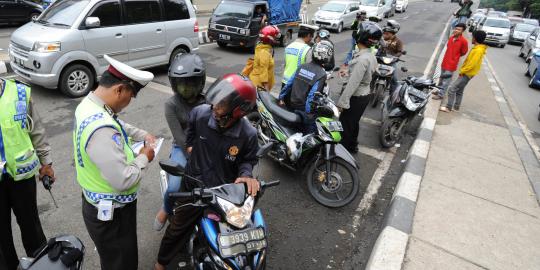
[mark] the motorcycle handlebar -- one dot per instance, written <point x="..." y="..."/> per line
<point x="180" y="195"/>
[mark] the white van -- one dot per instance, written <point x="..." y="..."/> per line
<point x="64" y="47"/>
<point x="374" y="8"/>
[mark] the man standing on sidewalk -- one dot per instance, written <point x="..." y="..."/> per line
<point x="470" y="68"/>
<point x="464" y="12"/>
<point x="456" y="47"/>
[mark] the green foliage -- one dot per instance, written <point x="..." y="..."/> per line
<point x="532" y="6"/>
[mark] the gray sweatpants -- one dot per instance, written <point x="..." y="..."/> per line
<point x="455" y="92"/>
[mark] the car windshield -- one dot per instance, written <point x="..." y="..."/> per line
<point x="523" y="27"/>
<point x="531" y="21"/>
<point x="62" y="13"/>
<point x="333" y="7"/>
<point x="372" y="3"/>
<point x="497" y="23"/>
<point x="234" y="10"/>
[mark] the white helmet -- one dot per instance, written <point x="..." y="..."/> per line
<point x="322" y="52"/>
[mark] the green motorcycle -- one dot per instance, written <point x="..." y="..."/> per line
<point x="331" y="171"/>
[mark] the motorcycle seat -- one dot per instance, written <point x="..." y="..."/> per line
<point x="423" y="83"/>
<point x="271" y="103"/>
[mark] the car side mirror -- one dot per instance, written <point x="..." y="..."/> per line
<point x="92" y="22"/>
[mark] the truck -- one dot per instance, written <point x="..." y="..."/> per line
<point x="237" y="22"/>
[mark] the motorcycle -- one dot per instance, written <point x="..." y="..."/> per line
<point x="382" y="78"/>
<point x="62" y="252"/>
<point x="231" y="234"/>
<point x="408" y="101"/>
<point x="318" y="155"/>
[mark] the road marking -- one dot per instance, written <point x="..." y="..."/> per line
<point x="432" y="59"/>
<point x="372" y="152"/>
<point x="420" y="148"/>
<point x="388" y="252"/>
<point x="428" y="123"/>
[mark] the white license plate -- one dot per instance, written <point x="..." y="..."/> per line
<point x="224" y="37"/>
<point x="18" y="61"/>
<point x="335" y="126"/>
<point x="242" y="242"/>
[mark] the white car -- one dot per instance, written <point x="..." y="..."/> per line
<point x="336" y="15"/>
<point x="373" y="8"/>
<point x="401" y="5"/>
<point x="497" y="30"/>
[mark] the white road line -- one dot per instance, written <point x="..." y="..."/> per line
<point x="408" y="186"/>
<point x="370" y="121"/>
<point x="373" y="187"/>
<point x="388" y="252"/>
<point x="428" y="123"/>
<point x="374" y="153"/>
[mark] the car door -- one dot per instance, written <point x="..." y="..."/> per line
<point x="530" y="42"/>
<point x="146" y="33"/>
<point x="381" y="8"/>
<point x="354" y="7"/>
<point x="12" y="10"/>
<point x="110" y="37"/>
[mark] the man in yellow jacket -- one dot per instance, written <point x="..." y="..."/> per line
<point x="468" y="70"/>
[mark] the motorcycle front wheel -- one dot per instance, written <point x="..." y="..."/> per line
<point x="378" y="95"/>
<point x="390" y="132"/>
<point x="340" y="189"/>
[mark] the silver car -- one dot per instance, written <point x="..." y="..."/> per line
<point x="520" y="31"/>
<point x="497" y="30"/>
<point x="336" y="15"/>
<point x="64" y="47"/>
<point x="531" y="45"/>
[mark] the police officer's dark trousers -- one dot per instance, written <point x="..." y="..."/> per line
<point x="350" y="120"/>
<point x="115" y="240"/>
<point x="19" y="196"/>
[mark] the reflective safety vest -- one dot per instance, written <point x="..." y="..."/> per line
<point x="295" y="55"/>
<point x="90" y="117"/>
<point x="16" y="147"/>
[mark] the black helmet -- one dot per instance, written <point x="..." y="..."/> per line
<point x="187" y="74"/>
<point x="369" y="34"/>
<point x="322" y="52"/>
<point x="392" y="26"/>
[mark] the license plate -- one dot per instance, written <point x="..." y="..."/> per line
<point x="241" y="242"/>
<point x="335" y="126"/>
<point x="18" y="61"/>
<point x="224" y="37"/>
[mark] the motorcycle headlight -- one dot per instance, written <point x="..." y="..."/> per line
<point x="237" y="216"/>
<point x="387" y="60"/>
<point x="44" y="47"/>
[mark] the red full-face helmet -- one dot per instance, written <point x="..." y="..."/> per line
<point x="270" y="34"/>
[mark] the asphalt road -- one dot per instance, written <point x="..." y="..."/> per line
<point x="303" y="234"/>
<point x="511" y="71"/>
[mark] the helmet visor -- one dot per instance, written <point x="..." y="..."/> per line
<point x="188" y="88"/>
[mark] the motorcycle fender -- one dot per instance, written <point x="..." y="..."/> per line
<point x="337" y="150"/>
<point x="396" y="112"/>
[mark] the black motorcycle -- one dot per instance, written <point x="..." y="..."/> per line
<point x="382" y="78"/>
<point x="231" y="234"/>
<point x="408" y="101"/>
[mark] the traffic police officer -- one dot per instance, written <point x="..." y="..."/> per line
<point x="108" y="170"/>
<point x="298" y="52"/>
<point x="23" y="148"/>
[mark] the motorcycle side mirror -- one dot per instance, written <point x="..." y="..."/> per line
<point x="404" y="69"/>
<point x="404" y="52"/>
<point x="172" y="167"/>
<point x="263" y="150"/>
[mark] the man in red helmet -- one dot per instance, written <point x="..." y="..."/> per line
<point x="223" y="147"/>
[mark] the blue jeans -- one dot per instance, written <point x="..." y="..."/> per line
<point x="177" y="155"/>
<point x="350" y="53"/>
<point x="460" y="19"/>
<point x="444" y="81"/>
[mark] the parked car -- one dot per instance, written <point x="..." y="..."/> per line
<point x="531" y="45"/>
<point x="499" y="14"/>
<point x="497" y="30"/>
<point x="64" y="48"/>
<point x="438" y="1"/>
<point x="476" y="22"/>
<point x="373" y="8"/>
<point x="531" y="21"/>
<point x="390" y="8"/>
<point x="336" y="15"/>
<point x="533" y="70"/>
<point x="519" y="32"/>
<point x="19" y="11"/>
<point x="474" y="18"/>
<point x="401" y="5"/>
<point x="481" y="10"/>
<point x="515" y="20"/>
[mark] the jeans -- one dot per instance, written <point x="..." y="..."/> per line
<point x="394" y="81"/>
<point x="177" y="155"/>
<point x="455" y="92"/>
<point x="460" y="19"/>
<point x="350" y="53"/>
<point x="445" y="79"/>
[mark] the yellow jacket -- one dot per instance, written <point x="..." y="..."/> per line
<point x="473" y="62"/>
<point x="263" y="66"/>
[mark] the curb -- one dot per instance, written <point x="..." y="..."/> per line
<point x="389" y="250"/>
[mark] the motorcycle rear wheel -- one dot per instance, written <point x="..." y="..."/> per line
<point x="333" y="190"/>
<point x="389" y="134"/>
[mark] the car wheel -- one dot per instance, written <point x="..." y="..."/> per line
<point x="76" y="81"/>
<point x="340" y="28"/>
<point x="521" y="51"/>
<point x="527" y="58"/>
<point x="531" y="81"/>
<point x="176" y="52"/>
<point x="221" y="44"/>
<point x="34" y="16"/>
<point x="527" y="73"/>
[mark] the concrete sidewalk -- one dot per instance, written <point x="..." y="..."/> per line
<point x="476" y="208"/>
